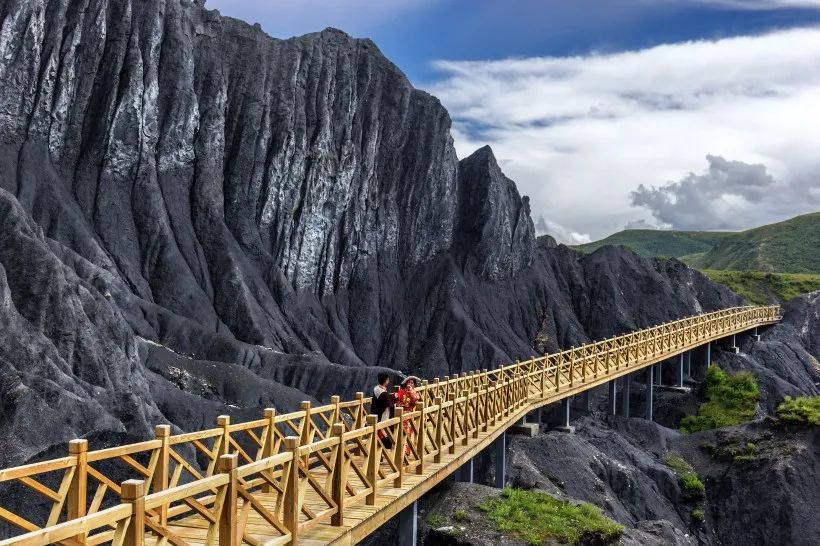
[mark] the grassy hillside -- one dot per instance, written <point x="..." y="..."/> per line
<point x="792" y="246"/>
<point x="655" y="242"/>
<point x="761" y="287"/>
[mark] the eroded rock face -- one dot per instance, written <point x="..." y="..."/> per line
<point x="196" y="219"/>
<point x="292" y="207"/>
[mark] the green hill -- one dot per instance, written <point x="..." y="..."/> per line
<point x="792" y="246"/>
<point x="655" y="242"/>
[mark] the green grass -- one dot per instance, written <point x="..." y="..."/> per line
<point x="691" y="486"/>
<point x="436" y="521"/>
<point x="461" y="516"/>
<point x="698" y="515"/>
<point x="802" y="410"/>
<point x="761" y="288"/>
<point x="731" y="399"/>
<point x="536" y="517"/>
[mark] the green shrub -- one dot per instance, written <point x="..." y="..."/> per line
<point x="536" y="517"/>
<point x="460" y="516"/>
<point x="803" y="410"/>
<point x="436" y="521"/>
<point x="731" y="399"/>
<point x="691" y="486"/>
<point x="678" y="464"/>
<point x="698" y="515"/>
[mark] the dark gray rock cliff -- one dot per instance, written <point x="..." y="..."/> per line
<point x="292" y="207"/>
<point x="197" y="218"/>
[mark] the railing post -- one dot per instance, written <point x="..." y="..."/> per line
<point x="292" y="495"/>
<point x="160" y="481"/>
<point x="269" y="445"/>
<point x="340" y="467"/>
<point x="399" y="448"/>
<point x="466" y="439"/>
<point x="497" y="392"/>
<point x="335" y="400"/>
<point x="306" y="436"/>
<point x="223" y="422"/>
<point x="476" y="410"/>
<point x="228" y="535"/>
<point x="76" y="501"/>
<point x="439" y="429"/>
<point x="373" y="459"/>
<point x="421" y="434"/>
<point x="453" y="417"/>
<point x="133" y="492"/>
<point x="359" y="411"/>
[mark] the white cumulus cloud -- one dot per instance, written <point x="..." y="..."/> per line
<point x="580" y="134"/>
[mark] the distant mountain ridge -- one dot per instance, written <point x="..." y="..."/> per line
<point x="790" y="246"/>
<point x="656" y="242"/>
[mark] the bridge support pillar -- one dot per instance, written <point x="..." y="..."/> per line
<point x="526" y="428"/>
<point x="612" y="401"/>
<point x="625" y="395"/>
<point x="659" y="374"/>
<point x="563" y="423"/>
<point x="756" y="334"/>
<point x="650" y="387"/>
<point x="408" y="525"/>
<point x="689" y="363"/>
<point x="465" y="472"/>
<point x="734" y="348"/>
<point x="680" y="369"/>
<point x="501" y="460"/>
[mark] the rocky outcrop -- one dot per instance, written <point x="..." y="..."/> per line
<point x="197" y="218"/>
<point x="255" y="213"/>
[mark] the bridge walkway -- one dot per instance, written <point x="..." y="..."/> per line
<point x="320" y="475"/>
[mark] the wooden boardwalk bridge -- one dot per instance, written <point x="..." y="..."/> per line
<point x="320" y="475"/>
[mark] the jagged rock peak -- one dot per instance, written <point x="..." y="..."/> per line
<point x="496" y="233"/>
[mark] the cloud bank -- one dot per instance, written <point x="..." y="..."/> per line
<point x="581" y="134"/>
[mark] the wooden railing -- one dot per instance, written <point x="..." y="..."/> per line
<point x="264" y="470"/>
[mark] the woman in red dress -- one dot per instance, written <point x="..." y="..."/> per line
<point x="407" y="397"/>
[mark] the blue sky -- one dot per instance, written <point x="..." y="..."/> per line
<point x="415" y="33"/>
<point x="667" y="112"/>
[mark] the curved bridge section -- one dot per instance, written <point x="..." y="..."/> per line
<point x="320" y="475"/>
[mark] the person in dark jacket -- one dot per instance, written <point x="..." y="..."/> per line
<point x="383" y="404"/>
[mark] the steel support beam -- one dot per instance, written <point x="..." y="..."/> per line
<point x="689" y="363"/>
<point x="612" y="401"/>
<point x="680" y="370"/>
<point x="501" y="460"/>
<point x="565" y="412"/>
<point x="563" y="417"/>
<point x="408" y="525"/>
<point x="650" y="371"/>
<point x="465" y="472"/>
<point x="625" y="395"/>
